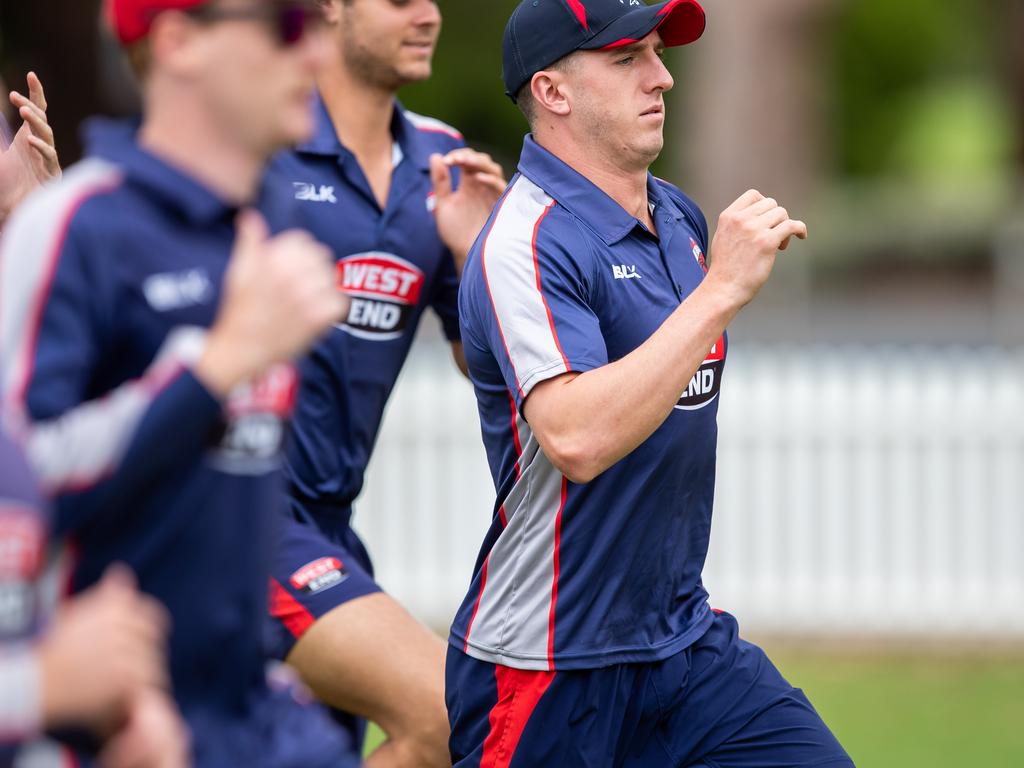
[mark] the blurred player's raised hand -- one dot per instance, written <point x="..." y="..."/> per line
<point x="279" y="295"/>
<point x="31" y="158"/>
<point x="461" y="213"/>
<point x="750" y="234"/>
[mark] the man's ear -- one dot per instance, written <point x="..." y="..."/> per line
<point x="550" y="93"/>
<point x="169" y="42"/>
<point x="331" y="9"/>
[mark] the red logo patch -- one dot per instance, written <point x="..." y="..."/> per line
<point x="319" y="575"/>
<point x="384" y="290"/>
<point x="272" y="393"/>
<point x="22" y="543"/>
<point x="698" y="254"/>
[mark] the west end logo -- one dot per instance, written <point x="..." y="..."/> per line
<point x="707" y="381"/>
<point x="384" y="291"/>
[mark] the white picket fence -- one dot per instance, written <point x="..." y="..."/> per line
<point x="861" y="491"/>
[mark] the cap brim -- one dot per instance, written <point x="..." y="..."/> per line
<point x="679" y="22"/>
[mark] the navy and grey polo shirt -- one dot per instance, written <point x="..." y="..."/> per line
<point x="583" y="576"/>
<point x="392" y="263"/>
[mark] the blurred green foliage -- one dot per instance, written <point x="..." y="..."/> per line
<point x="915" y="91"/>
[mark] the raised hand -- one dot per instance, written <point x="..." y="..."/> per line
<point x="31" y="158"/>
<point x="750" y="233"/>
<point x="461" y="213"/>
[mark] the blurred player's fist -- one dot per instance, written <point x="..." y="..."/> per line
<point x="279" y="297"/>
<point x="105" y="647"/>
<point x="750" y="233"/>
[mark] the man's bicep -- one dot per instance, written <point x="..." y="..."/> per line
<point x="544" y="323"/>
<point x="547" y="404"/>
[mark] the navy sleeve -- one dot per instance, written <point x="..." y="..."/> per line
<point x="90" y="454"/>
<point x="445" y="298"/>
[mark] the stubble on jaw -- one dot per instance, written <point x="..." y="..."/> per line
<point x="598" y="119"/>
<point x="372" y="67"/>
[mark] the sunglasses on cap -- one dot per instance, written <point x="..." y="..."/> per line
<point x="289" y="20"/>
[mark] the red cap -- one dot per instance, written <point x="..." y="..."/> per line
<point x="130" y="19"/>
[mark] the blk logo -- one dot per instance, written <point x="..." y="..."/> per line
<point x="312" y="194"/>
<point x="623" y="272"/>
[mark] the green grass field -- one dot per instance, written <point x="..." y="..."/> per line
<point x="902" y="710"/>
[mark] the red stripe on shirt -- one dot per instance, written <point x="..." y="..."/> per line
<point x="519" y="692"/>
<point x="476" y="606"/>
<point x="288" y="610"/>
<point x="536" y="268"/>
<point x="554" y="581"/>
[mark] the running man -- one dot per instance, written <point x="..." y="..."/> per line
<point x="595" y="337"/>
<point x="375" y="184"/>
<point x="147" y="324"/>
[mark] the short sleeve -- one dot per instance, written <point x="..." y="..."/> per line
<point x="445" y="298"/>
<point x="540" y="322"/>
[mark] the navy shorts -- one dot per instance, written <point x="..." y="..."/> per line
<point x="312" y="573"/>
<point x="718" y="704"/>
<point x="318" y="564"/>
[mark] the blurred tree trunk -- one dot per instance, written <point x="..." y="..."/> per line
<point x="753" y="112"/>
<point x="1010" y="16"/>
<point x="755" y="101"/>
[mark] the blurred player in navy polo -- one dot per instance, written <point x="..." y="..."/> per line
<point x="147" y="328"/>
<point x="376" y="184"/>
<point x="99" y="664"/>
<point x="595" y="336"/>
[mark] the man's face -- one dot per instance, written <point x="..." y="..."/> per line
<point x="617" y="101"/>
<point x="256" y="86"/>
<point x="389" y="43"/>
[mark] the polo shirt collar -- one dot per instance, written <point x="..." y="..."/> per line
<point x="580" y="196"/>
<point x="325" y="136"/>
<point x="117" y="141"/>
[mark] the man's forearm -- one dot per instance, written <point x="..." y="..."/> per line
<point x="591" y="421"/>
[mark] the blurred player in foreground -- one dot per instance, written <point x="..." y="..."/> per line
<point x="595" y="338"/>
<point x="146" y="332"/>
<point x="375" y="183"/>
<point x="100" y="664"/>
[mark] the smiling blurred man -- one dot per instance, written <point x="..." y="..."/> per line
<point x="595" y="336"/>
<point x="375" y="183"/>
<point x="148" y="326"/>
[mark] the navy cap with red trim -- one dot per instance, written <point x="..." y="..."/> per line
<point x="540" y="32"/>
